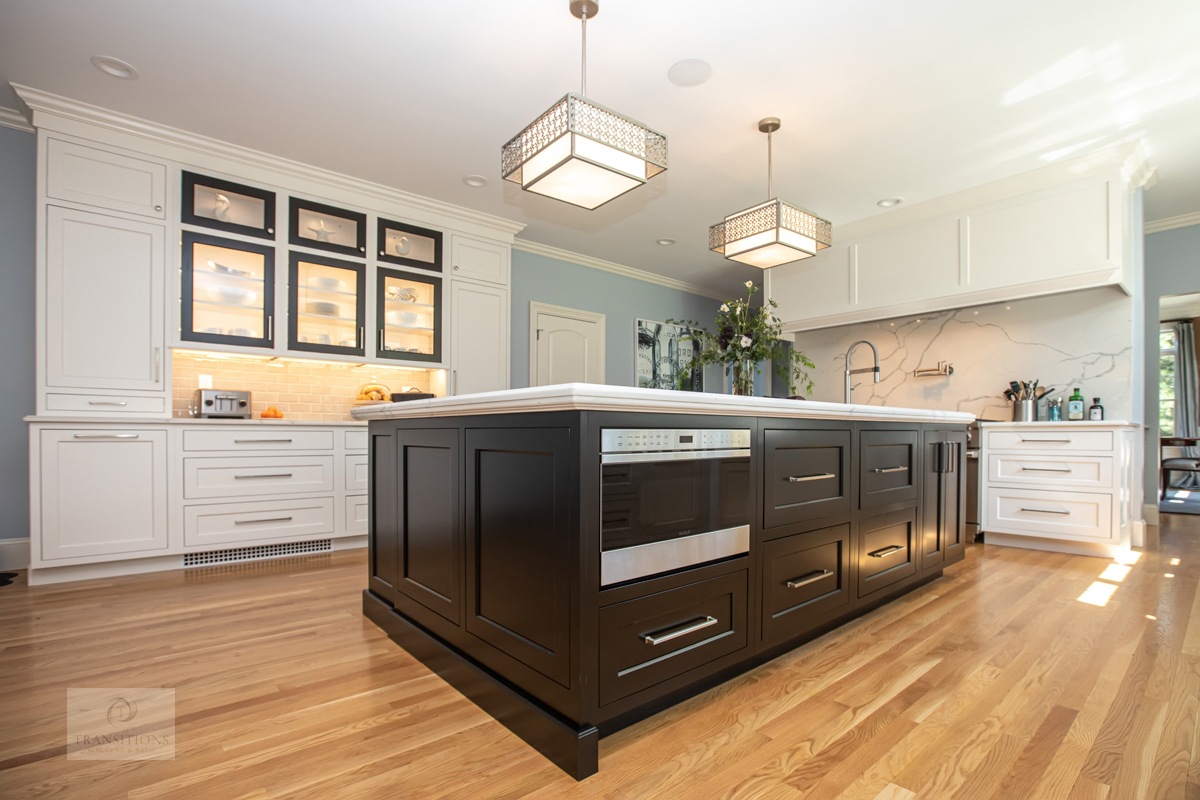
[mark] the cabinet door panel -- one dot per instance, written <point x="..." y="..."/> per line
<point x="104" y="302"/>
<point x="94" y="177"/>
<point x="912" y="263"/>
<point x="806" y="475"/>
<point x="431" y="560"/>
<point x="886" y="546"/>
<point x="479" y="340"/>
<point x="383" y="540"/>
<point x="887" y="468"/>
<point x="954" y="491"/>
<point x="806" y="581"/>
<point x="478" y="260"/>
<point x="519" y="534"/>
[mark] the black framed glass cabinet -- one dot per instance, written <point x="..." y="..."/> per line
<point x="227" y="206"/>
<point x="329" y="228"/>
<point x="326" y="305"/>
<point x="227" y="291"/>
<point x="409" y="245"/>
<point x="408" y="316"/>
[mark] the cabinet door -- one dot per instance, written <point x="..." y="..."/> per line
<point x="887" y="467"/>
<point x="943" y="511"/>
<point x="806" y="476"/>
<point x="806" y="581"/>
<point x="886" y="550"/>
<point x="94" y="177"/>
<point x="227" y="291"/>
<point x="431" y="550"/>
<point x="327" y="305"/>
<point x="408" y="316"/>
<point x="519" y="536"/>
<point x="103" y="492"/>
<point x="478" y="260"/>
<point x="479" y="338"/>
<point x="104" y="302"/>
<point x="383" y="539"/>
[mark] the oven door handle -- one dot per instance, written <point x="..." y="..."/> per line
<point x="679" y="455"/>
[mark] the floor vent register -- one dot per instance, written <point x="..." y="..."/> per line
<point x="256" y="553"/>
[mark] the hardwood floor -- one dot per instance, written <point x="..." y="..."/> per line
<point x="996" y="681"/>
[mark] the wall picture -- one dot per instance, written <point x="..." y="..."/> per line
<point x="663" y="358"/>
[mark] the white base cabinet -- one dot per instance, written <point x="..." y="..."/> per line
<point x="1064" y="486"/>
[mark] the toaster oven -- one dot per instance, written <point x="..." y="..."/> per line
<point x="220" y="404"/>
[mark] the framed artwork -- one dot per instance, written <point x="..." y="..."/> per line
<point x="663" y="357"/>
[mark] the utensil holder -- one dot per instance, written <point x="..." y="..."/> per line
<point x="1025" y="411"/>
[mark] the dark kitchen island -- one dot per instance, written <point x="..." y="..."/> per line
<point x="575" y="558"/>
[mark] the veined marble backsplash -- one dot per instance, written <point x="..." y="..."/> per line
<point x="1079" y="339"/>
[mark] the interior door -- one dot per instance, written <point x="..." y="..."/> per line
<point x="568" y="346"/>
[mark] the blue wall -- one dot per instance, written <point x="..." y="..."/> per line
<point x="18" y="195"/>
<point x="622" y="300"/>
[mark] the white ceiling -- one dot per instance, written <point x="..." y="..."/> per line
<point x="878" y="99"/>
<point x="1180" y="306"/>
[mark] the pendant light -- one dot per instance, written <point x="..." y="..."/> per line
<point x="580" y="152"/>
<point x="772" y="233"/>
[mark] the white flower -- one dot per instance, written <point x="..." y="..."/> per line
<point x="725" y="308"/>
<point x="749" y="284"/>
<point x="746" y="341"/>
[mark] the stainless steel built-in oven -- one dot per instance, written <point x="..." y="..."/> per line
<point x="671" y="499"/>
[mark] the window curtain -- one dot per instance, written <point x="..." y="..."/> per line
<point x="1187" y="400"/>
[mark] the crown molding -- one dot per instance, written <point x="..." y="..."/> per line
<point x="46" y="106"/>
<point x="11" y="118"/>
<point x="1182" y="221"/>
<point x="608" y="266"/>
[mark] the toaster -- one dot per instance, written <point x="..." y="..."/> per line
<point x="220" y="404"/>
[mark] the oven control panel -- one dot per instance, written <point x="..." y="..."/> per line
<point x="664" y="440"/>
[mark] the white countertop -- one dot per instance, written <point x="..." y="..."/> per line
<point x="1079" y="423"/>
<point x="597" y="397"/>
<point x="136" y="420"/>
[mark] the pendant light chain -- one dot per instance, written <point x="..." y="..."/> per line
<point x="770" y="165"/>
<point x="583" y="65"/>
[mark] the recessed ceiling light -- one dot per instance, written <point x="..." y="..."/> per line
<point x="666" y="242"/>
<point x="689" y="72"/>
<point x="115" y="67"/>
<point x="476" y="181"/>
<point x="888" y="202"/>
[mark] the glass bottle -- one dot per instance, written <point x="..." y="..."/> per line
<point x="1096" y="411"/>
<point x="1075" y="406"/>
<point x="1054" y="410"/>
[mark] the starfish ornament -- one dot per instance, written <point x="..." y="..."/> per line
<point x="320" y="233"/>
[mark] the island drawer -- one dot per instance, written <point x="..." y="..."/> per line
<point x="1058" y="515"/>
<point x="230" y="523"/>
<point x="646" y="641"/>
<point x="1052" y="441"/>
<point x="260" y="475"/>
<point x="887" y="468"/>
<point x="806" y="580"/>
<point x="253" y="437"/>
<point x="886" y="545"/>
<point x="105" y="403"/>
<point x="805" y="475"/>
<point x="1049" y="471"/>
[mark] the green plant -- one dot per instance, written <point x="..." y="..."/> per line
<point x="746" y="337"/>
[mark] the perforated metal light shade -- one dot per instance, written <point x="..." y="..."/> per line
<point x="583" y="154"/>
<point x="770" y="234"/>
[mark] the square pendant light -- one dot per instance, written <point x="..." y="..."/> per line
<point x="770" y="234"/>
<point x="583" y="154"/>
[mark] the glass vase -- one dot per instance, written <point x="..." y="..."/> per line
<point x="743" y="378"/>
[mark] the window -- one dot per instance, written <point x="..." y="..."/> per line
<point x="1166" y="382"/>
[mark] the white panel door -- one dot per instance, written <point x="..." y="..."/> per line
<point x="479" y="260"/>
<point x="104" y="302"/>
<point x="95" y="177"/>
<point x="103" y="492"/>
<point x="568" y="346"/>
<point x="478" y="338"/>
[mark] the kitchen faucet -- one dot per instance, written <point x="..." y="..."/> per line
<point x="850" y="372"/>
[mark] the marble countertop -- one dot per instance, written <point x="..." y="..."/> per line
<point x="1079" y="423"/>
<point x="597" y="397"/>
<point x="136" y="420"/>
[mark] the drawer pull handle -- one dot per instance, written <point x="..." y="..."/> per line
<point x="256" y="521"/>
<point x="1043" y="441"/>
<point x="1043" y="469"/>
<point x="275" y="475"/>
<point x="811" y="577"/>
<point x="106" y="436"/>
<point x="887" y="551"/>
<point x="691" y="627"/>
<point x="878" y="471"/>
<point x="1047" y="511"/>
<point x="803" y="478"/>
<point x="258" y="441"/>
<point x="107" y="403"/>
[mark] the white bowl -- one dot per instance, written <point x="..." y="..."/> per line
<point x="234" y="295"/>
<point x="328" y="284"/>
<point x="244" y="332"/>
<point x="322" y="338"/>
<point x="323" y="308"/>
<point x="408" y="318"/>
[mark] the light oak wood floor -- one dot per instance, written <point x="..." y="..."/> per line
<point x="996" y="681"/>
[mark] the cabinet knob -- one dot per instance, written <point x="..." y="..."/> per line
<point x="158" y="208"/>
<point x="270" y="230"/>
<point x="456" y="266"/>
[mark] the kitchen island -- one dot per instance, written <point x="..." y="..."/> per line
<point x="575" y="558"/>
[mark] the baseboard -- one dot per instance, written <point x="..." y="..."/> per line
<point x="14" y="554"/>
<point x="1055" y="545"/>
<point x="1150" y="513"/>
<point x="1137" y="536"/>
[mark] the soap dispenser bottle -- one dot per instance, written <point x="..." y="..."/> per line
<point x="1096" y="411"/>
<point x="1075" y="406"/>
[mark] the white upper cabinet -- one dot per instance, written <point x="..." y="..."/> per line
<point x="95" y="177"/>
<point x="478" y="338"/>
<point x="478" y="260"/>
<point x="104" y="302"/>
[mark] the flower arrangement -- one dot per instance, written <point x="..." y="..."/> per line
<point x="746" y="337"/>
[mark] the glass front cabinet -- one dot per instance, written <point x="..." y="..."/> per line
<point x="228" y="291"/>
<point x="326" y="305"/>
<point x="408" y="316"/>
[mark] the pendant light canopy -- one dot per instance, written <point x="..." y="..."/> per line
<point x="581" y="152"/>
<point x="773" y="232"/>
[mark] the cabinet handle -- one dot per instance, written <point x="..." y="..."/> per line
<point x="271" y="328"/>
<point x="803" y="478"/>
<point x="1042" y="469"/>
<point x="381" y="340"/>
<point x="811" y="577"/>
<point x="454" y="379"/>
<point x="1052" y="441"/>
<point x="258" y="441"/>
<point x="158" y="365"/>
<point x="690" y="627"/>
<point x="275" y="475"/>
<point x="107" y="403"/>
<point x="362" y="337"/>
<point x="973" y="454"/>
<point x="1047" y="511"/>
<point x="878" y="471"/>
<point x="887" y="551"/>
<point x="253" y="521"/>
<point x="106" y="436"/>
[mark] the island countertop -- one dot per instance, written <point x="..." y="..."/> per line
<point x="599" y="397"/>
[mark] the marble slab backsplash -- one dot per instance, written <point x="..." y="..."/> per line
<point x="1080" y="339"/>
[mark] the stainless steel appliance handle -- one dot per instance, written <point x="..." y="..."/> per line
<point x="258" y="441"/>
<point x="887" y="551"/>
<point x="973" y="454"/>
<point x="253" y="521"/>
<point x="107" y="403"/>
<point x="106" y="436"/>
<point x="803" y="478"/>
<point x="811" y="577"/>
<point x="1047" y="511"/>
<point x="690" y="627"/>
<point x="275" y="475"/>
<point x="677" y="455"/>
<point x="1043" y="441"/>
<point x="1043" y="469"/>
<point x="884" y="471"/>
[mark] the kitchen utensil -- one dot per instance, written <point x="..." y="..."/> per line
<point x="323" y="308"/>
<point x="1025" y="411"/>
<point x="326" y="284"/>
<point x="233" y="295"/>
<point x="1008" y="395"/>
<point x="1016" y="388"/>
<point x="227" y="270"/>
<point x="1045" y="392"/>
